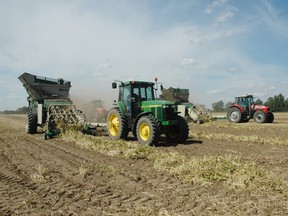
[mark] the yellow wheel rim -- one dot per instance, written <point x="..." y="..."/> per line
<point x="144" y="131"/>
<point x="113" y="124"/>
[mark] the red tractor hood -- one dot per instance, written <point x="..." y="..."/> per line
<point x="261" y="107"/>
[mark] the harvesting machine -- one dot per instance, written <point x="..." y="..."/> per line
<point x="187" y="109"/>
<point x="50" y="106"/>
<point x="139" y="111"/>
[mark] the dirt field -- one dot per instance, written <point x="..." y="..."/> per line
<point x="60" y="177"/>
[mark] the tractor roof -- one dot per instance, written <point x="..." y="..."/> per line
<point x="136" y="83"/>
<point x="244" y="96"/>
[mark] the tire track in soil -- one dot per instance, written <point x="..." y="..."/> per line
<point x="114" y="195"/>
<point x="53" y="159"/>
<point x="14" y="187"/>
<point x="62" y="190"/>
<point x="109" y="186"/>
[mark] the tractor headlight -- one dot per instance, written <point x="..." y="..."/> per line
<point x="168" y="106"/>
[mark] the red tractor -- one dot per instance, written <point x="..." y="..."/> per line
<point x="244" y="109"/>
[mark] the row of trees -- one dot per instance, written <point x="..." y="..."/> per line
<point x="278" y="103"/>
<point x="21" y="110"/>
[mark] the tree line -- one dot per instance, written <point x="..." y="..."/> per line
<point x="277" y="103"/>
<point x="21" y="110"/>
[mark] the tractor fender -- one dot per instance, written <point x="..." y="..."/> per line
<point x="237" y="106"/>
<point x="122" y="107"/>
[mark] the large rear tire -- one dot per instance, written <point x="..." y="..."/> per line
<point x="178" y="133"/>
<point x="148" y="132"/>
<point x="117" y="127"/>
<point x="234" y="115"/>
<point x="259" y="116"/>
<point x="270" y="117"/>
<point x="31" y="127"/>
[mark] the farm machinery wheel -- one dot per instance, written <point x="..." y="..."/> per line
<point x="116" y="125"/>
<point x="31" y="127"/>
<point x="270" y="117"/>
<point x="178" y="133"/>
<point x="259" y="117"/>
<point x="147" y="130"/>
<point x="234" y="115"/>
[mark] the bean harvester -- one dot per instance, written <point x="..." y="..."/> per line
<point x="187" y="109"/>
<point x="51" y="108"/>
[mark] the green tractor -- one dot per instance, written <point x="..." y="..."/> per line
<point x="139" y="111"/>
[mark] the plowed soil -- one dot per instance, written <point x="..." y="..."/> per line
<point x="54" y="177"/>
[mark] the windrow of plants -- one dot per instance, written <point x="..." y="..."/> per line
<point x="239" y="138"/>
<point x="233" y="171"/>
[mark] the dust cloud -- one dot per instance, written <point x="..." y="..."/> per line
<point x="94" y="107"/>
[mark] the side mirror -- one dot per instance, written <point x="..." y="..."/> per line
<point x="114" y="85"/>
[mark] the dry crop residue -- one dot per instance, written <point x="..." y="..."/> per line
<point x="57" y="177"/>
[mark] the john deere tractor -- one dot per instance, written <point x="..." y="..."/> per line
<point x="244" y="109"/>
<point x="138" y="110"/>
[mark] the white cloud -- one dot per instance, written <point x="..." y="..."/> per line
<point x="12" y="96"/>
<point x="225" y="15"/>
<point x="211" y="7"/>
<point x="190" y="64"/>
<point x="216" y="91"/>
<point x="199" y="35"/>
<point x="273" y="18"/>
<point x="272" y="87"/>
<point x="103" y="67"/>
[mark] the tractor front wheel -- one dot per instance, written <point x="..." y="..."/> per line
<point x="148" y="132"/>
<point x="178" y="133"/>
<point x="31" y="127"/>
<point x="259" y="116"/>
<point x="116" y="125"/>
<point x="234" y="115"/>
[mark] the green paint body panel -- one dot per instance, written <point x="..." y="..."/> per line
<point x="122" y="107"/>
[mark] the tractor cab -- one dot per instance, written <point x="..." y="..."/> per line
<point x="132" y="93"/>
<point x="246" y="102"/>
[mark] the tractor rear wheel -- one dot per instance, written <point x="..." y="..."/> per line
<point x="148" y="132"/>
<point x="178" y="133"/>
<point x="259" y="116"/>
<point x="31" y="127"/>
<point x="234" y="115"/>
<point x="116" y="125"/>
<point x="270" y="117"/>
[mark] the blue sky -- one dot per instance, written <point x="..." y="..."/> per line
<point x="216" y="48"/>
